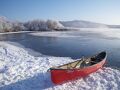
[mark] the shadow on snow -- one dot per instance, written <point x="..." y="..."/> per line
<point x="37" y="82"/>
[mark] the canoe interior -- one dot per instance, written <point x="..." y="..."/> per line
<point x="83" y="62"/>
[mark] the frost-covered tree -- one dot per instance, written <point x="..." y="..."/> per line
<point x="17" y="26"/>
<point x="54" y="24"/>
<point x="9" y="26"/>
<point x="1" y="27"/>
<point x="41" y="25"/>
<point x="36" y="25"/>
<point x="5" y="25"/>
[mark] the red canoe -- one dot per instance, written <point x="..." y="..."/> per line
<point x="77" y="69"/>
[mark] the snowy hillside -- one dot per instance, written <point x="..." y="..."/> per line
<point x="21" y="71"/>
<point x="83" y="24"/>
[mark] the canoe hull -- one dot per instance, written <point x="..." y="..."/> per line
<point x="59" y="76"/>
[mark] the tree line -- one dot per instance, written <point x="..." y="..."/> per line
<point x="34" y="25"/>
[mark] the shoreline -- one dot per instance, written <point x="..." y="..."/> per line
<point x="19" y="69"/>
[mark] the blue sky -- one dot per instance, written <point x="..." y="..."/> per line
<point x="103" y="11"/>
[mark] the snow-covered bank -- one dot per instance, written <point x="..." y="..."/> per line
<point x="22" y="71"/>
<point x="3" y="33"/>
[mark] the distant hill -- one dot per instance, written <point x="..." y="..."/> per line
<point x="86" y="24"/>
<point x="113" y="26"/>
<point x="82" y="24"/>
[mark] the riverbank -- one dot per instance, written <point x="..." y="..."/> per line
<point x="20" y="70"/>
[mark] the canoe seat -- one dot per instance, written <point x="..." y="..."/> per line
<point x="85" y="63"/>
<point x="88" y="62"/>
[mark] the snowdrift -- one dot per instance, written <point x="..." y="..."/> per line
<point x="21" y="71"/>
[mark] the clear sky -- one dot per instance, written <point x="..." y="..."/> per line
<point x="103" y="11"/>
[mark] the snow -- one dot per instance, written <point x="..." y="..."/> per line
<point x="21" y="71"/>
<point x="4" y="33"/>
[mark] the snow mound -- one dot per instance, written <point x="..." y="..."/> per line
<point x="21" y="71"/>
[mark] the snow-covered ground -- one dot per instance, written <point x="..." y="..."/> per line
<point x="21" y="71"/>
